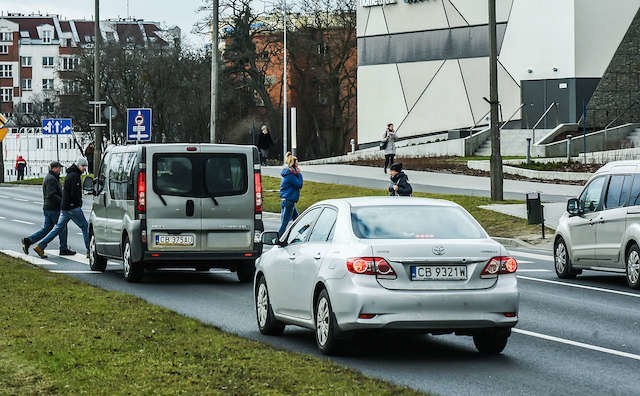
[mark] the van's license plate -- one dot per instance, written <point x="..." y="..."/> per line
<point x="175" y="240"/>
<point x="442" y="272"/>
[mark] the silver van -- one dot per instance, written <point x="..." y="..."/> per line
<point x="601" y="228"/>
<point x="177" y="205"/>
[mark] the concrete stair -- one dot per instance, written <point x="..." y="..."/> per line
<point x="512" y="142"/>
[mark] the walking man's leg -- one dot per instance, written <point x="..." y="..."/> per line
<point x="62" y="224"/>
<point x="50" y="220"/>
<point x="77" y="216"/>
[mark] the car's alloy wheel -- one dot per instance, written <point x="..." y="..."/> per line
<point x="325" y="325"/>
<point x="267" y="323"/>
<point x="132" y="271"/>
<point x="562" y="261"/>
<point x="96" y="262"/>
<point x="633" y="267"/>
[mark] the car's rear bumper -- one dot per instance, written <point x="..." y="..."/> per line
<point x="450" y="310"/>
<point x="190" y="259"/>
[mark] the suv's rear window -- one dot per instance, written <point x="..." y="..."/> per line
<point x="200" y="175"/>
<point x="413" y="222"/>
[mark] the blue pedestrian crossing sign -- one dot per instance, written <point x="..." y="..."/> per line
<point x="57" y="126"/>
<point x="139" y="125"/>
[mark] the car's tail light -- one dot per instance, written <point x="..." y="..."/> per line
<point x="257" y="183"/>
<point x="371" y="266"/>
<point x="500" y="265"/>
<point x="141" y="192"/>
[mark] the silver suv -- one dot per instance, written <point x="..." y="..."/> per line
<point x="601" y="228"/>
<point x="177" y="205"/>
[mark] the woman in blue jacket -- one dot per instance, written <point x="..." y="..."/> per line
<point x="289" y="191"/>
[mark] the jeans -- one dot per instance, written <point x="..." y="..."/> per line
<point x="288" y="212"/>
<point x="77" y="216"/>
<point x="388" y="160"/>
<point x="264" y="154"/>
<point x="50" y="219"/>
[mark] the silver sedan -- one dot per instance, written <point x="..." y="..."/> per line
<point x="387" y="263"/>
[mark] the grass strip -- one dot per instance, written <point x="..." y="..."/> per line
<point x="61" y="336"/>
<point x="496" y="224"/>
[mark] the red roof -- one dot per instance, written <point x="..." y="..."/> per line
<point x="84" y="28"/>
<point x="30" y="24"/>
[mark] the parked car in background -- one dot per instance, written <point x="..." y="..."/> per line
<point x="387" y="263"/>
<point x="177" y="205"/>
<point x="600" y="230"/>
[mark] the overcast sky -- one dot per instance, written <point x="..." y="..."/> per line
<point x="182" y="13"/>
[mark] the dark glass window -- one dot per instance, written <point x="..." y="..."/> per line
<point x="174" y="175"/>
<point x="226" y="175"/>
<point x="613" y="191"/>
<point x="591" y="197"/>
<point x="322" y="230"/>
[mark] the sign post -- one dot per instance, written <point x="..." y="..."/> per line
<point x="139" y="125"/>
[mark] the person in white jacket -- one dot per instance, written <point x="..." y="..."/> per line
<point x="390" y="137"/>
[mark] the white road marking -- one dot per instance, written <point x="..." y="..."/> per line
<point x="2" y="218"/>
<point x="531" y="255"/>
<point x="30" y="259"/>
<point x="78" y="258"/>
<point x="577" y="344"/>
<point x="36" y="202"/>
<point x="22" y="222"/>
<point x="4" y="197"/>
<point x="532" y="270"/>
<point x="524" y="262"/>
<point x="581" y="286"/>
<point x="75" y="272"/>
<point x="21" y="199"/>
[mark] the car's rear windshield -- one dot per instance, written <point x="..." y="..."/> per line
<point x="413" y="222"/>
<point x="200" y="175"/>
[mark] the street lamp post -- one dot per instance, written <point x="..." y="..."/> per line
<point x="214" y="71"/>
<point x="284" y="86"/>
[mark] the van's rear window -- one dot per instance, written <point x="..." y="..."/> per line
<point x="200" y="175"/>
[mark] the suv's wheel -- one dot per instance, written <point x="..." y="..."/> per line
<point x="96" y="261"/>
<point x="633" y="267"/>
<point x="562" y="261"/>
<point x="491" y="341"/>
<point x="133" y="271"/>
<point x="246" y="271"/>
<point x="267" y="323"/>
<point x="326" y="333"/>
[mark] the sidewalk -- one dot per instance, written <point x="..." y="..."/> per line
<point x="432" y="182"/>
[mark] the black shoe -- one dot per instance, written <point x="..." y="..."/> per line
<point x="26" y="244"/>
<point x="67" y="252"/>
<point x="385" y="170"/>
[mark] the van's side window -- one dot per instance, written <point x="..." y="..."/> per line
<point x="591" y="197"/>
<point x="618" y="191"/>
<point x="634" y="197"/>
<point x="102" y="177"/>
<point x="132" y="160"/>
<point x="114" y="169"/>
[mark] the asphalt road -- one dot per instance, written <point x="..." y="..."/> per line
<point x="578" y="337"/>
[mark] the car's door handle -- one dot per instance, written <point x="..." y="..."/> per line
<point x="318" y="256"/>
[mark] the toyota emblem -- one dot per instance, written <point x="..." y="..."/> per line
<point x="438" y="250"/>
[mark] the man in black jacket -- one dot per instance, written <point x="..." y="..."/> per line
<point x="399" y="182"/>
<point x="52" y="195"/>
<point x="71" y="207"/>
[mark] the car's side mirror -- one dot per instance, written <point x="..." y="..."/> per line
<point x="270" y="238"/>
<point x="87" y="185"/>
<point x="575" y="207"/>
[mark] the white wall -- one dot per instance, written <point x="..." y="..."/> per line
<point x="37" y="52"/>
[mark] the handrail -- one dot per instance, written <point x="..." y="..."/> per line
<point x="623" y="113"/>
<point x="533" y="130"/>
<point x="512" y="115"/>
<point x="480" y="119"/>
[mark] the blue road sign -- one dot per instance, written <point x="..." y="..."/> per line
<point x="57" y="126"/>
<point x="138" y="125"/>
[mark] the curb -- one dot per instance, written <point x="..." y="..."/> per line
<point x="519" y="243"/>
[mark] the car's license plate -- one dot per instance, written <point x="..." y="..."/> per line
<point x="438" y="272"/>
<point x="175" y="240"/>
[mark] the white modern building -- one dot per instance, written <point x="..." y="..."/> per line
<point x="424" y="65"/>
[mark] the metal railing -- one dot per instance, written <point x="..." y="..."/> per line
<point x="533" y="130"/>
<point x="511" y="117"/>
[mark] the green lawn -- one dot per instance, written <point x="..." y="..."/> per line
<point x="61" y="336"/>
<point x="496" y="224"/>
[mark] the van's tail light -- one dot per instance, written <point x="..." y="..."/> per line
<point x="371" y="266"/>
<point x="141" y="192"/>
<point x="500" y="265"/>
<point x="257" y="183"/>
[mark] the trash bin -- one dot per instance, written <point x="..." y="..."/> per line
<point x="534" y="209"/>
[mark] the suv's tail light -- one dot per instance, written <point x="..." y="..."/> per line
<point x="500" y="265"/>
<point x="257" y="183"/>
<point x="371" y="266"/>
<point x="141" y="192"/>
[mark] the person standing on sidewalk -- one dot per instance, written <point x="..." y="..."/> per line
<point x="289" y="191"/>
<point x="52" y="197"/>
<point x="71" y="207"/>
<point x="390" y="137"/>
<point x="264" y="144"/>
<point x="400" y="186"/>
<point x="21" y="165"/>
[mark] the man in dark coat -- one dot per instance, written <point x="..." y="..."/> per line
<point x="71" y="207"/>
<point x="264" y="144"/>
<point x="52" y="196"/>
<point x="399" y="182"/>
<point x="21" y="165"/>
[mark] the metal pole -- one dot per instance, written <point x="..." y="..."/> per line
<point x="110" y="125"/>
<point x="57" y="149"/>
<point x="568" y="149"/>
<point x="496" y="157"/>
<point x="584" y="129"/>
<point x="214" y="71"/>
<point x="284" y="87"/>
<point x="294" y="138"/>
<point x="528" y="150"/>
<point x="97" y="153"/>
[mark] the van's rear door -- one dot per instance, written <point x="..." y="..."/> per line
<point x="228" y="210"/>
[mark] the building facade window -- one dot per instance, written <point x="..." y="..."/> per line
<point x="47" y="106"/>
<point x="70" y="87"/>
<point x="47" y="84"/>
<point x="26" y="61"/>
<point x="4" y="49"/>
<point x="26" y="107"/>
<point x="69" y="63"/>
<point x="47" y="61"/>
<point x="46" y="36"/>
<point x="6" y="36"/>
<point x="6" y="94"/>
<point x="26" y="84"/>
<point x="6" y="71"/>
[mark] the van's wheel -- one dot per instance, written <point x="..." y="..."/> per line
<point x="562" y="262"/>
<point x="326" y="327"/>
<point x="133" y="271"/>
<point x="96" y="261"/>
<point x="491" y="341"/>
<point x="633" y="267"/>
<point x="267" y="322"/>
<point x="245" y="271"/>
